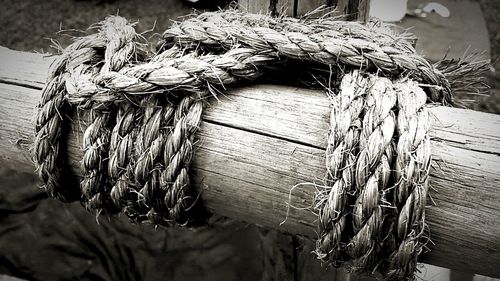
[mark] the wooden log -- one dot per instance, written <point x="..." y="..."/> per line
<point x="259" y="142"/>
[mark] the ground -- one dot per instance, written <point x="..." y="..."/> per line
<point x="491" y="11"/>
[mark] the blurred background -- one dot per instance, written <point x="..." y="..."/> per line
<point x="42" y="239"/>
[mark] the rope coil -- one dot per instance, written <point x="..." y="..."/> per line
<point x="145" y="111"/>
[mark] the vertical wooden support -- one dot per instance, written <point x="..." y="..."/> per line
<point x="360" y="10"/>
<point x="273" y="7"/>
<point x="346" y="9"/>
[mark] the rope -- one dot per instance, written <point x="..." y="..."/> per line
<point x="376" y="178"/>
<point x="340" y="163"/>
<point x="145" y="110"/>
<point x="329" y="43"/>
<point x="411" y="177"/>
<point x="372" y="172"/>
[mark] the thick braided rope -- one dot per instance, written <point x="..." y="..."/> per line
<point x="95" y="143"/>
<point x="323" y="46"/>
<point x="411" y="177"/>
<point x="124" y="193"/>
<point x="122" y="146"/>
<point x="145" y="112"/>
<point x="340" y="163"/>
<point x="120" y="48"/>
<point x="373" y="169"/>
<point x="376" y="169"/>
<point x="243" y="63"/>
<point x="83" y="51"/>
<point x="177" y="158"/>
<point x="214" y="28"/>
<point x="140" y="191"/>
<point x="155" y="128"/>
<point x="187" y="73"/>
<point x="134" y="132"/>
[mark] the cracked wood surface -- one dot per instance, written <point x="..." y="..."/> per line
<point x="259" y="142"/>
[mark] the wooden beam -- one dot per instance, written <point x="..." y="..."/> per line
<point x="260" y="141"/>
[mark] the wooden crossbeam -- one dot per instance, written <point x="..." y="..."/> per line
<point x="260" y="141"/>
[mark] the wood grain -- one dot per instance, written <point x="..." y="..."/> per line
<point x="344" y="9"/>
<point x="305" y="7"/>
<point x="273" y="7"/>
<point x="259" y="142"/>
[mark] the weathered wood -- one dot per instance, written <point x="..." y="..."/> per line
<point x="305" y="7"/>
<point x="259" y="142"/>
<point x="363" y="10"/>
<point x="351" y="10"/>
<point x="272" y="7"/>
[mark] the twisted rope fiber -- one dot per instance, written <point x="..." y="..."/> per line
<point x="373" y="169"/>
<point x="121" y="148"/>
<point x="374" y="223"/>
<point x="145" y="110"/>
<point x="84" y="51"/>
<point x="327" y="44"/>
<point x="207" y="29"/>
<point x="120" y="47"/>
<point x="144" y="171"/>
<point x="411" y="176"/>
<point x="150" y="142"/>
<point x="340" y="161"/>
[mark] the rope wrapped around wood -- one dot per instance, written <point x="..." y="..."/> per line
<point x="145" y="108"/>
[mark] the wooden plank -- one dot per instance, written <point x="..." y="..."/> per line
<point x="17" y="69"/>
<point x="267" y="103"/>
<point x="246" y="166"/>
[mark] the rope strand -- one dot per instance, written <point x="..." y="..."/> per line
<point x="341" y="149"/>
<point x="373" y="173"/>
<point x="411" y="177"/>
<point x="321" y="45"/>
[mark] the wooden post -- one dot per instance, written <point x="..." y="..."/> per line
<point x="350" y="9"/>
<point x="263" y="140"/>
<point x="272" y="7"/>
